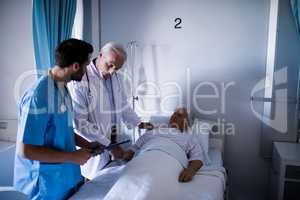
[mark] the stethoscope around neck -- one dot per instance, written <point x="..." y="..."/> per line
<point x="63" y="104"/>
<point x="90" y="96"/>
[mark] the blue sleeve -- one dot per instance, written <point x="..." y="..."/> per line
<point x="34" y="121"/>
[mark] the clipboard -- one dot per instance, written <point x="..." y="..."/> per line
<point x="114" y="145"/>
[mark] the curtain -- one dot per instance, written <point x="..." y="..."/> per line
<point x="52" y="23"/>
<point x="295" y="4"/>
<point x="77" y="31"/>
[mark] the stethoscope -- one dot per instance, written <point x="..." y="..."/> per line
<point x="63" y="106"/>
<point x="90" y="96"/>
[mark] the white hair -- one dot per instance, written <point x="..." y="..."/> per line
<point x="114" y="47"/>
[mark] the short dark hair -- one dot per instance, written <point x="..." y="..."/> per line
<point x="71" y="51"/>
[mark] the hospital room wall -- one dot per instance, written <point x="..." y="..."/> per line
<point x="16" y="58"/>
<point x="17" y="55"/>
<point x="16" y="49"/>
<point x="222" y="42"/>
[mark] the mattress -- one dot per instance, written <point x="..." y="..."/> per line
<point x="205" y="186"/>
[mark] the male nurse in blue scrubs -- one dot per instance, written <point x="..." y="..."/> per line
<point x="46" y="161"/>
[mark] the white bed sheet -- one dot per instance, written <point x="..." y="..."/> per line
<point x="207" y="185"/>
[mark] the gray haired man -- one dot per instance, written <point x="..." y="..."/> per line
<point x="100" y="105"/>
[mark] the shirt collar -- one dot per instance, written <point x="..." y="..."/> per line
<point x="95" y="71"/>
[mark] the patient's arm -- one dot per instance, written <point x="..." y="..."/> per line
<point x="117" y="153"/>
<point x="188" y="173"/>
<point x="128" y="155"/>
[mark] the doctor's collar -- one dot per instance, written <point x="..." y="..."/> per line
<point x="94" y="61"/>
<point x="98" y="71"/>
<point x="93" y="69"/>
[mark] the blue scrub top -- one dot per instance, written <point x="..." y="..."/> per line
<point x="42" y="122"/>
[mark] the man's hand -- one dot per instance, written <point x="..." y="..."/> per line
<point x="117" y="153"/>
<point x="128" y="155"/>
<point x="186" y="175"/>
<point x="96" y="147"/>
<point x="80" y="156"/>
<point x="146" y="125"/>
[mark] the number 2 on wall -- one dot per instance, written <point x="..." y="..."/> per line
<point x="178" y="22"/>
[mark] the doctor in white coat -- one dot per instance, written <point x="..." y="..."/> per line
<point x="100" y="105"/>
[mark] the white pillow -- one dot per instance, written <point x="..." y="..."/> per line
<point x="201" y="130"/>
<point x="159" y="120"/>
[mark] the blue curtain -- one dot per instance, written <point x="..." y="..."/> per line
<point x="52" y="23"/>
<point x="295" y="4"/>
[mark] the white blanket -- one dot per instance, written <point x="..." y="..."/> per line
<point x="154" y="170"/>
<point x="153" y="174"/>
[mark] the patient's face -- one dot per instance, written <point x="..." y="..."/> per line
<point x="179" y="119"/>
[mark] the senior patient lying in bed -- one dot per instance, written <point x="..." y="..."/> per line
<point x="179" y="134"/>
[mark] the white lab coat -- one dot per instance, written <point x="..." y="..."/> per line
<point x="92" y="113"/>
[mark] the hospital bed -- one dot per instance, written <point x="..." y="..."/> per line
<point x="208" y="184"/>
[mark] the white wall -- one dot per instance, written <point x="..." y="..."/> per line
<point x="17" y="55"/>
<point x="221" y="41"/>
<point x="7" y="155"/>
<point x="16" y="51"/>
